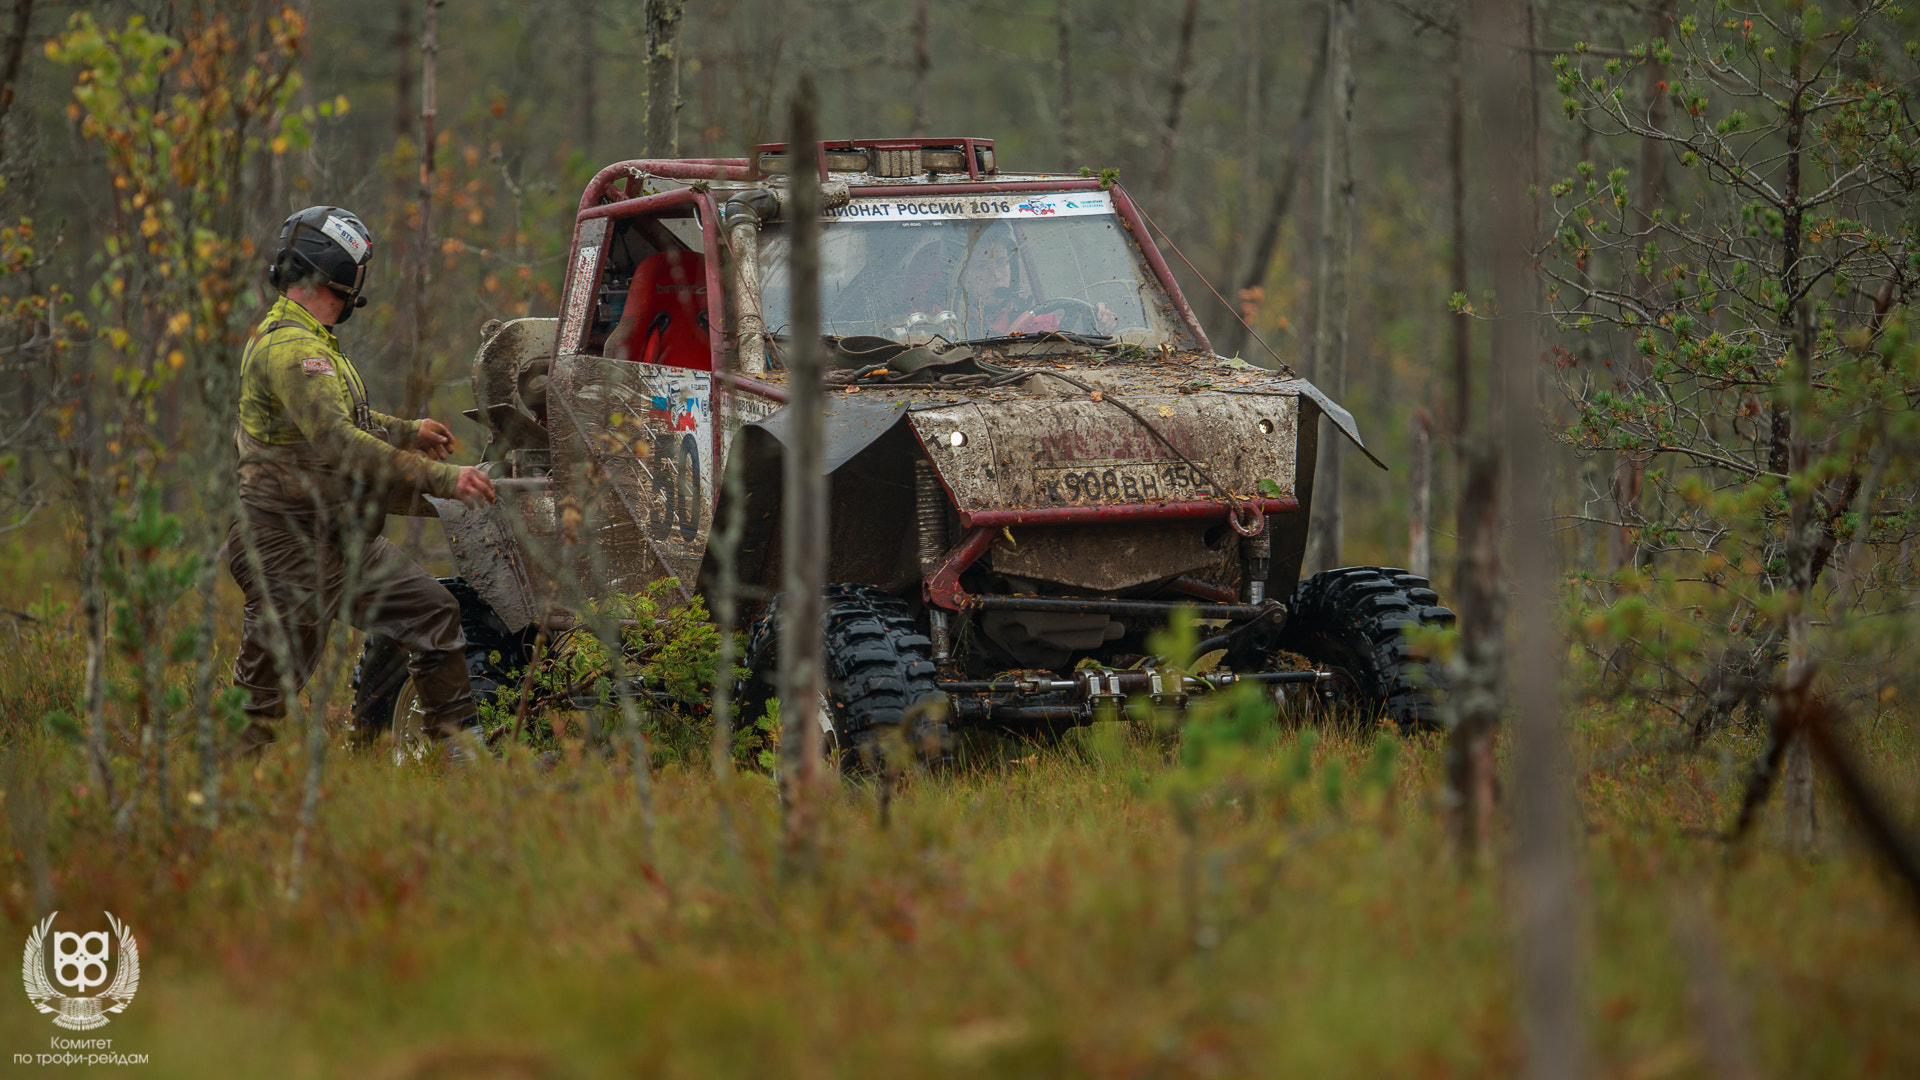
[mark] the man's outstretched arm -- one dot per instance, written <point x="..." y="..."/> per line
<point x="311" y="394"/>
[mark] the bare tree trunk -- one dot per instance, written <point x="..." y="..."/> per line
<point x="1629" y="475"/>
<point x="1420" y="497"/>
<point x="1653" y="151"/>
<point x="1252" y="290"/>
<point x="663" y="76"/>
<point x="1548" y="914"/>
<point x="93" y="606"/>
<point x="1475" y="696"/>
<point x="1069" y="127"/>
<point x="922" y="64"/>
<point x="1797" y="792"/>
<point x="1177" y="101"/>
<point x="419" y="376"/>
<point x="1251" y="151"/>
<point x="726" y="612"/>
<point x="1457" y="261"/>
<point x="587" y="91"/>
<point x="1789" y="453"/>
<point x="15" y="50"/>
<point x="803" y="554"/>
<point x="403" y="72"/>
<point x="1336" y="256"/>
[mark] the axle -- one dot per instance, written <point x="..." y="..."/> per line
<point x="1076" y="700"/>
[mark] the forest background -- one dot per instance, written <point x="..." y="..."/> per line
<point x="1710" y="554"/>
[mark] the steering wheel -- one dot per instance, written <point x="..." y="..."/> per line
<point x="1086" y="313"/>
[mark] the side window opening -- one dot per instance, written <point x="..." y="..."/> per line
<point x="653" y="294"/>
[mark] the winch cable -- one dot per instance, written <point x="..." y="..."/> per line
<point x="1231" y="310"/>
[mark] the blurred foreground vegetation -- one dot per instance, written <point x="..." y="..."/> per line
<point x="1278" y="900"/>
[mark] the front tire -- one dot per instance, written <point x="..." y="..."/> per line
<point x="880" y="676"/>
<point x="1354" y="622"/>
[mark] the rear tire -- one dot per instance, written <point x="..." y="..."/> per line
<point x="1353" y="621"/>
<point x="880" y="674"/>
<point x="385" y="703"/>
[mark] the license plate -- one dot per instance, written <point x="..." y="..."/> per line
<point x="1087" y="485"/>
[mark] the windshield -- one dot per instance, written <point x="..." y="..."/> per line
<point x="970" y="267"/>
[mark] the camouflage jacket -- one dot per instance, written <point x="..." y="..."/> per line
<point x="308" y="443"/>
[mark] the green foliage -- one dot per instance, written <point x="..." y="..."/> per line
<point x="180" y="120"/>
<point x="1744" y="315"/>
<point x="145" y="576"/>
<point x="669" y="653"/>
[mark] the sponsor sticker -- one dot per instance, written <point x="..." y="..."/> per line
<point x="318" y="365"/>
<point x="347" y="237"/>
<point x="973" y="207"/>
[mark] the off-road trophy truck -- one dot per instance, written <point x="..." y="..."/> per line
<point x="1033" y="455"/>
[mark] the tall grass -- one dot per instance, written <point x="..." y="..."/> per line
<point x="1101" y="906"/>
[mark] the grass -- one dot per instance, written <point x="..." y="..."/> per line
<point x="1089" y="908"/>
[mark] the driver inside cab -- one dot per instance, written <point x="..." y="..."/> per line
<point x="997" y="295"/>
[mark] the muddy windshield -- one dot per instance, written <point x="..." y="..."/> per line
<point x="970" y="267"/>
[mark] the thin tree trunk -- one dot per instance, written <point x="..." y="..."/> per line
<point x="1251" y="155"/>
<point x="1457" y="262"/>
<point x="922" y="65"/>
<point x="1790" y="453"/>
<point x="726" y="594"/>
<point x="1653" y="151"/>
<point x="1476" y="693"/>
<point x="1252" y="291"/>
<point x="1797" y="792"/>
<point x="419" y="376"/>
<point x="663" y="76"/>
<point x="1177" y="101"/>
<point x="10" y="74"/>
<point x="587" y="91"/>
<point x="1420" y="497"/>
<point x="1547" y="909"/>
<point x="93" y="607"/>
<point x="1336" y="256"/>
<point x="403" y="72"/>
<point x="803" y="555"/>
<point x="1629" y="474"/>
<point x="1069" y="127"/>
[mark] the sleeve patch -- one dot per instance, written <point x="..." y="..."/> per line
<point x="318" y="365"/>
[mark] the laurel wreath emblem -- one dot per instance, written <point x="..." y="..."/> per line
<point x="80" y="1013"/>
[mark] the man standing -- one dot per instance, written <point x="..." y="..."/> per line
<point x="317" y="471"/>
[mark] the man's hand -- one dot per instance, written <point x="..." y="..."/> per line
<point x="433" y="439"/>
<point x="474" y="489"/>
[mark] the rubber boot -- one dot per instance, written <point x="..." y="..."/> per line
<point x="446" y="698"/>
<point x="460" y="746"/>
<point x="256" y="737"/>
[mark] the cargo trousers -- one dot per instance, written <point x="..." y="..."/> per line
<point x="304" y="579"/>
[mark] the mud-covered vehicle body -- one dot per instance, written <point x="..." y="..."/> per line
<point x="1034" y="456"/>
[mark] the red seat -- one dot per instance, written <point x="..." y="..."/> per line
<point x="665" y="318"/>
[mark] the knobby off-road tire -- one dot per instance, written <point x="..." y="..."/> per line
<point x="382" y="686"/>
<point x="880" y="672"/>
<point x="1352" y="620"/>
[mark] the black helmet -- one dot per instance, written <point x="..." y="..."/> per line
<point x="328" y="244"/>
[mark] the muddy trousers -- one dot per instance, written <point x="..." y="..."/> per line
<point x="307" y="583"/>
